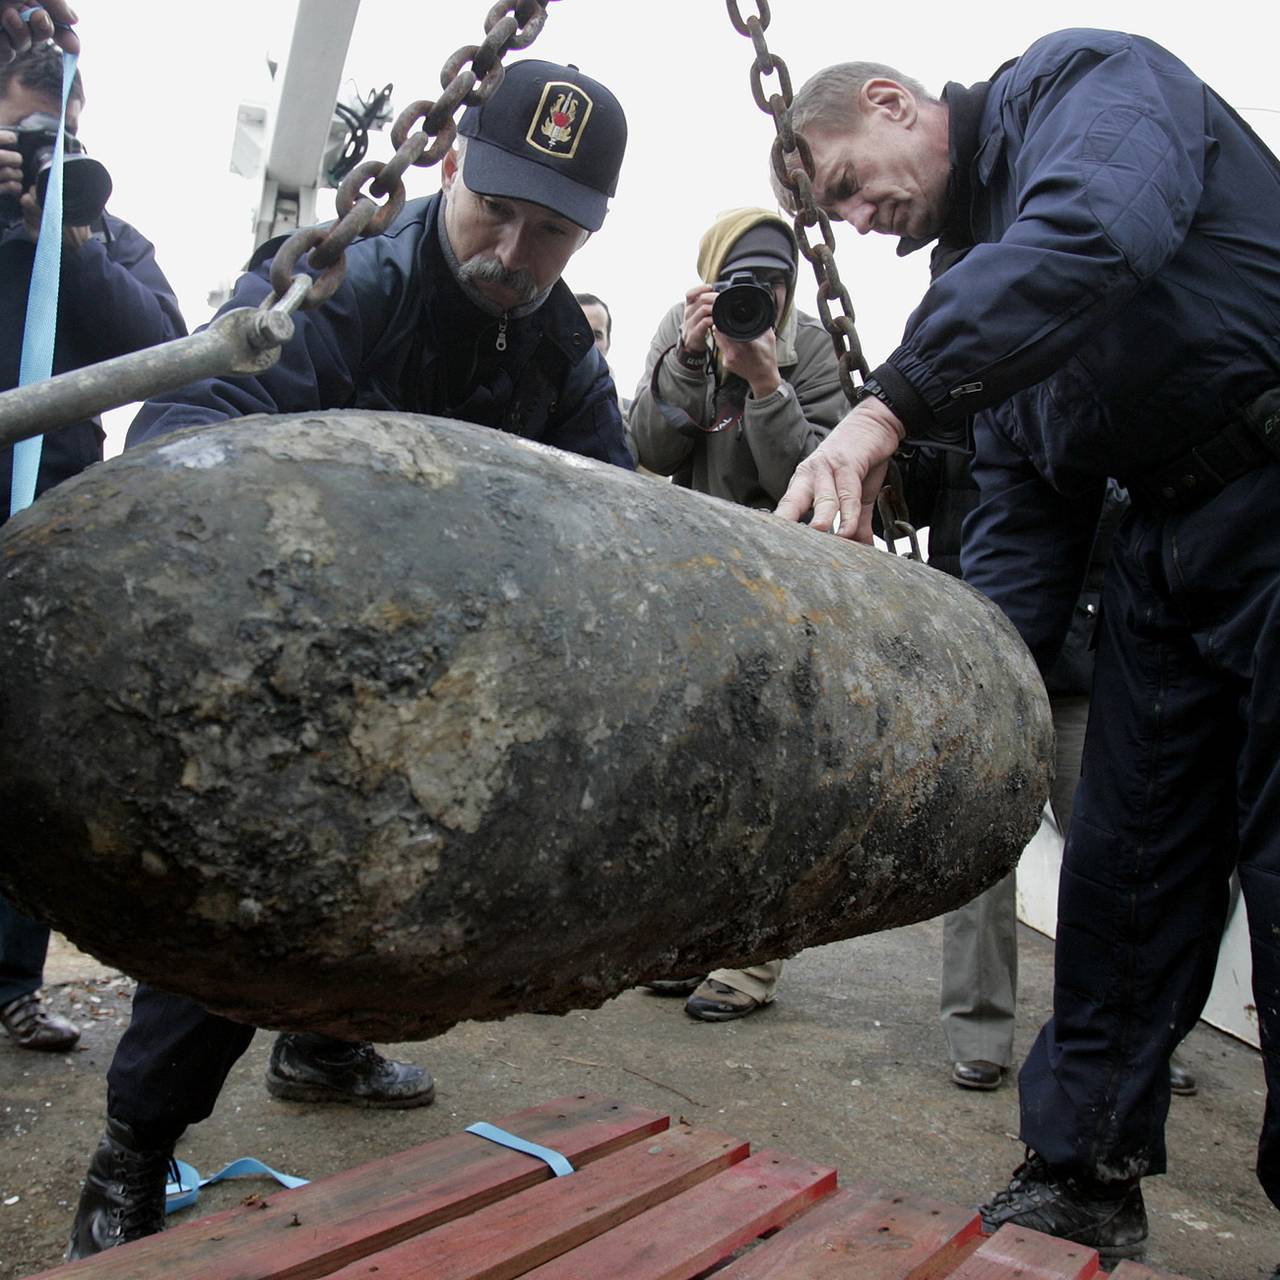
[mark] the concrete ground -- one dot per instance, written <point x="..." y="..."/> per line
<point x="848" y="1067"/>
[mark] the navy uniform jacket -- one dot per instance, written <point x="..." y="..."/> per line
<point x="399" y="334"/>
<point x="112" y="300"/>
<point x="1121" y="302"/>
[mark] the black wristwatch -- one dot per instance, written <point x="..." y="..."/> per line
<point x="871" y="387"/>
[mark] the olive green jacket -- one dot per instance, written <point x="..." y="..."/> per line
<point x="752" y="462"/>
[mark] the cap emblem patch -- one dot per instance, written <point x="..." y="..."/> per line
<point x="557" y="125"/>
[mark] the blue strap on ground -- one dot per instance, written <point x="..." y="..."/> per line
<point x="184" y="1190"/>
<point x="560" y="1165"/>
<point x="42" y="304"/>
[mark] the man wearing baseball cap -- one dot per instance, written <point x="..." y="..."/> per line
<point x="458" y="311"/>
<point x="436" y="315"/>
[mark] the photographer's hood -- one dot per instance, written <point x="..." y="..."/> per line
<point x="717" y="251"/>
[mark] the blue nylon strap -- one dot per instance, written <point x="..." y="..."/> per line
<point x="185" y="1189"/>
<point x="560" y="1166"/>
<point x="42" y="304"/>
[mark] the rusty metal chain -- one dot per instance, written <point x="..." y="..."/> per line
<point x="895" y="519"/>
<point x="469" y="77"/>
<point x="793" y="165"/>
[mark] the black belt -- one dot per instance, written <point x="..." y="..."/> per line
<point x="1251" y="439"/>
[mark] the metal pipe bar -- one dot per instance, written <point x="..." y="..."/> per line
<point x="246" y="340"/>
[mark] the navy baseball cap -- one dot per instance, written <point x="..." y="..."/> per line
<point x="549" y="135"/>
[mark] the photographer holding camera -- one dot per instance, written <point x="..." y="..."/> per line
<point x="112" y="300"/>
<point x="738" y="389"/>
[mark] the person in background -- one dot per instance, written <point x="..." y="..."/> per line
<point x="600" y="319"/>
<point x="113" y="299"/>
<point x="731" y="414"/>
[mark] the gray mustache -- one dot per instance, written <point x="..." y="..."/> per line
<point x="491" y="271"/>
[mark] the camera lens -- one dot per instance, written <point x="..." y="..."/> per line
<point x="86" y="187"/>
<point x="744" y="309"/>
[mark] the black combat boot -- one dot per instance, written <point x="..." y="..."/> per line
<point x="1106" y="1216"/>
<point x="317" y="1068"/>
<point x="123" y="1194"/>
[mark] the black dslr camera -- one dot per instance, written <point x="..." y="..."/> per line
<point x="86" y="184"/>
<point x="745" y="307"/>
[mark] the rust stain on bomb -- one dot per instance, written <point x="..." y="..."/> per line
<point x="292" y="687"/>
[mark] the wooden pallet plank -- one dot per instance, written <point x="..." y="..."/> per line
<point x="1028" y="1255"/>
<point x="376" y="1205"/>
<point x="521" y="1232"/>
<point x="692" y="1232"/>
<point x="1138" y="1271"/>
<point x="866" y="1232"/>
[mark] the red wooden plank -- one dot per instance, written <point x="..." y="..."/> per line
<point x="1136" y="1271"/>
<point x="311" y="1231"/>
<point x="866" y="1233"/>
<point x="684" y="1236"/>
<point x="1028" y="1255"/>
<point x="519" y="1233"/>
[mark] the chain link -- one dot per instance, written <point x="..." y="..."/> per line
<point x="895" y="519"/>
<point x="792" y="162"/>
<point x="469" y="77"/>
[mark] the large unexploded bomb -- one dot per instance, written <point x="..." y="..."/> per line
<point x="371" y="723"/>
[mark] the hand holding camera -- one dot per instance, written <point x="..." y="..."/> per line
<point x="26" y="156"/>
<point x="10" y="165"/>
<point x="744" y="316"/>
<point x="32" y="213"/>
<point x="695" y="329"/>
<point x="754" y="360"/>
<point x="50" y="21"/>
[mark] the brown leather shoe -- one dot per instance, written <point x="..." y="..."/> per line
<point x="977" y="1074"/>
<point x="716" y="1001"/>
<point x="31" y="1026"/>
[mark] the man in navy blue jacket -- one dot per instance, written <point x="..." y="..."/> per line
<point x="458" y="311"/>
<point x="1122" y="297"/>
<point x="113" y="299"/>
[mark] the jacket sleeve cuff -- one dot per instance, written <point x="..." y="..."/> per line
<point x="681" y="372"/>
<point x="904" y="400"/>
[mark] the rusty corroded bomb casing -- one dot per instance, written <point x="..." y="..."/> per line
<point x="370" y="723"/>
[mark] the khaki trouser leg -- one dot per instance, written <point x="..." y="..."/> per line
<point x="980" y="976"/>
<point x="759" y="981"/>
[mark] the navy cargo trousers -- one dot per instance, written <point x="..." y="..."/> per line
<point x="1180" y="784"/>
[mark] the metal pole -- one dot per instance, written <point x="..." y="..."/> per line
<point x="242" y="341"/>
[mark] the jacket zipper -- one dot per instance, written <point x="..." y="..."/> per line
<point x="501" y="343"/>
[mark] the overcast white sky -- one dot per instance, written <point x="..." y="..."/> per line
<point x="161" y="114"/>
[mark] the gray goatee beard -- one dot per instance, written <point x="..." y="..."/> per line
<point x="490" y="271"/>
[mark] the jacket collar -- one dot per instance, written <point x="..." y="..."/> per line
<point x="964" y="121"/>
